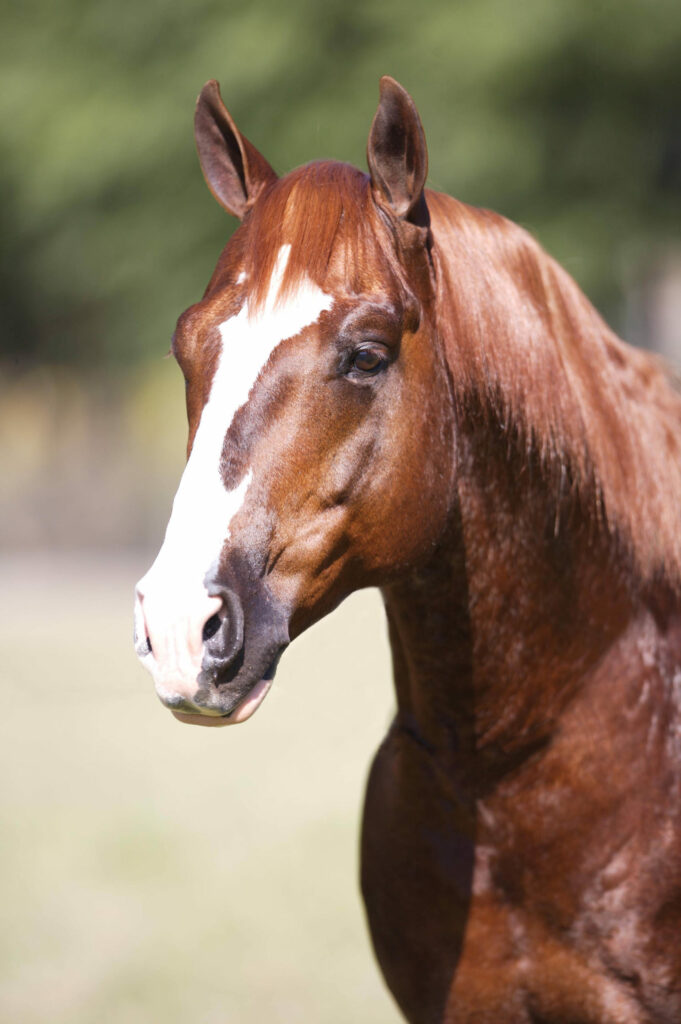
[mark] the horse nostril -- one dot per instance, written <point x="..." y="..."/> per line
<point x="211" y="627"/>
<point x="223" y="636"/>
<point x="148" y="642"/>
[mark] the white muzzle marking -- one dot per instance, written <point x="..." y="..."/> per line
<point x="172" y="604"/>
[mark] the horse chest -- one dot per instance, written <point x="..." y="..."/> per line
<point x="456" y="946"/>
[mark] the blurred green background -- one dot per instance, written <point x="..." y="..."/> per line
<point x="562" y="114"/>
<point x="150" y="871"/>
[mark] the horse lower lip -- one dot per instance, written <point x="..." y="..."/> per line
<point x="209" y="720"/>
<point x="243" y="710"/>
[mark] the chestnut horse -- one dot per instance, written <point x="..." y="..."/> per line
<point x="386" y="387"/>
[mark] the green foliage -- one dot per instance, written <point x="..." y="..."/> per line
<point x="563" y="114"/>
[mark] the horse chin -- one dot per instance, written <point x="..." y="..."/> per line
<point x="241" y="712"/>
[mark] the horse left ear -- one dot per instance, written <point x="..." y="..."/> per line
<point x="235" y="171"/>
<point x="397" y="153"/>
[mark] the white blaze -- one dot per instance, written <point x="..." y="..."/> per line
<point x="176" y="602"/>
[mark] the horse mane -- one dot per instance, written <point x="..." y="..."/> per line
<point x="526" y="345"/>
<point x="522" y="342"/>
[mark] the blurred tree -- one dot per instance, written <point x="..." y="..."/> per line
<point x="563" y="114"/>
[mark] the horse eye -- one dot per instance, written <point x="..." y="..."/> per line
<point x="368" y="360"/>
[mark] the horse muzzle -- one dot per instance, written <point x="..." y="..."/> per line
<point x="212" y="650"/>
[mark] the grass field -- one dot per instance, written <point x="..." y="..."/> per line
<point x="155" y="872"/>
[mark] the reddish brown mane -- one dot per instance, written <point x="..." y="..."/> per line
<point x="524" y="342"/>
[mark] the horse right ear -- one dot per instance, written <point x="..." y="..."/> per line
<point x="397" y="154"/>
<point x="235" y="172"/>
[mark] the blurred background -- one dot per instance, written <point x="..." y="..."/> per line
<point x="156" y="872"/>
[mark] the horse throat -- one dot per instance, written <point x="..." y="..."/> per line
<point x="501" y="630"/>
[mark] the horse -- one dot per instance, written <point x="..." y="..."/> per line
<point x="389" y="388"/>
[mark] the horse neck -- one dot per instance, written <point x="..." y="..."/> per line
<point x="505" y="625"/>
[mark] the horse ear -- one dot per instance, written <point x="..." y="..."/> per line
<point x="397" y="153"/>
<point x="234" y="170"/>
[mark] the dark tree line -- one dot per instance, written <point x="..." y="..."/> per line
<point x="563" y="114"/>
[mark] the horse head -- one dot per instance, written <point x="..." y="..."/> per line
<point x="319" y="409"/>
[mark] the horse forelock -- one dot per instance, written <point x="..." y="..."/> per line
<point x="525" y="346"/>
<point x="325" y="214"/>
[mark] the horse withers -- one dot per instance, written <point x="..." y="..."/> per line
<point x="386" y="387"/>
